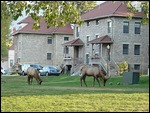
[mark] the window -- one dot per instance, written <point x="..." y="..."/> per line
<point x="66" y="38"/>
<point x="49" y="56"/>
<point x="136" y="49"/>
<point x="109" y="26"/>
<point x="126" y="27"/>
<point x="49" y="40"/>
<point x="97" y="36"/>
<point x="88" y="23"/>
<point x="77" y="31"/>
<point x="18" y="59"/>
<point x="125" y="49"/>
<point x="66" y="50"/>
<point x="11" y="62"/>
<point x="137" y="28"/>
<point x="97" y="22"/>
<point x="87" y="40"/>
<point x="136" y="66"/>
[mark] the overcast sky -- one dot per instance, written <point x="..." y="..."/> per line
<point x="14" y="23"/>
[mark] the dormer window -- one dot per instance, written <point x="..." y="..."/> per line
<point x="88" y="23"/>
<point x="97" y="22"/>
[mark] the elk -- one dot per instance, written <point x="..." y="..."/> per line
<point x="93" y="71"/>
<point x="33" y="73"/>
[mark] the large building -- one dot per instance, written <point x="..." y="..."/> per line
<point x="106" y="35"/>
<point x="43" y="46"/>
<point x="108" y="30"/>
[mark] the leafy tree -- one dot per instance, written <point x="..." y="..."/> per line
<point x="5" y="31"/>
<point x="59" y="13"/>
<point x="55" y="13"/>
<point x="144" y="5"/>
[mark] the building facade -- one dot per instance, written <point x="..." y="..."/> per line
<point x="43" y="46"/>
<point x="128" y="39"/>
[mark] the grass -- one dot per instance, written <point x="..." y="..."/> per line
<point x="63" y="93"/>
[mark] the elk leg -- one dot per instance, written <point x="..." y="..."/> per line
<point x="97" y="81"/>
<point x="84" y="81"/>
<point x="29" y="79"/>
<point x="93" y="81"/>
<point x="81" y="80"/>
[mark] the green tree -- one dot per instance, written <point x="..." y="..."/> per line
<point x="55" y="13"/>
<point x="5" y="31"/>
<point x="144" y="5"/>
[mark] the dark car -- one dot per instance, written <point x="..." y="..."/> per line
<point x="23" y="68"/>
<point x="49" y="70"/>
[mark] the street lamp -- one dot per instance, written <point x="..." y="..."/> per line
<point x="108" y="58"/>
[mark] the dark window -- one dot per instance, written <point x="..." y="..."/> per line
<point x="49" y="40"/>
<point x="136" y="49"/>
<point x="11" y="62"/>
<point x="97" y="22"/>
<point x="77" y="31"/>
<point x="126" y="27"/>
<point x="66" y="38"/>
<point x="125" y="49"/>
<point x="136" y="66"/>
<point x="87" y="38"/>
<point x="88" y="23"/>
<point x="109" y="27"/>
<point x="137" y="27"/>
<point x="49" y="56"/>
<point x="97" y="36"/>
<point x="18" y="59"/>
<point x="66" y="50"/>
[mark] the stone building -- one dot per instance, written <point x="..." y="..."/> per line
<point x="43" y="46"/>
<point x="108" y="25"/>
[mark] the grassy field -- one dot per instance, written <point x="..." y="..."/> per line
<point x="63" y="93"/>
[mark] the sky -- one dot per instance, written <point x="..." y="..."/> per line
<point x="14" y="23"/>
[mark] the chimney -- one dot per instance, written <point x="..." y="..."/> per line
<point x="14" y="29"/>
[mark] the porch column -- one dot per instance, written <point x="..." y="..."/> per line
<point x="101" y="49"/>
<point x="92" y="49"/>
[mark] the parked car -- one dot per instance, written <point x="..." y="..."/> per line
<point x="49" y="70"/>
<point x="3" y="71"/>
<point x="23" y="68"/>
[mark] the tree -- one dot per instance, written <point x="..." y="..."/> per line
<point x="5" y="31"/>
<point x="144" y="6"/>
<point x="55" y="13"/>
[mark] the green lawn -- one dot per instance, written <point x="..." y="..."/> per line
<point x="63" y="93"/>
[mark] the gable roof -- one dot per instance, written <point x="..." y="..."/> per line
<point x="43" y="28"/>
<point x="103" y="39"/>
<point x="75" y="42"/>
<point x="11" y="47"/>
<point x="107" y="9"/>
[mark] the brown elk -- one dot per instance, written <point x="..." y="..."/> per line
<point x="93" y="71"/>
<point x="32" y="72"/>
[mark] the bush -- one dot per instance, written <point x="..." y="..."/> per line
<point x="123" y="67"/>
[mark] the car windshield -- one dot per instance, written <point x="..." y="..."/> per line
<point x="37" y="66"/>
<point x="51" y="67"/>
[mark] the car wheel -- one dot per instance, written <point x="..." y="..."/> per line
<point x="23" y="73"/>
<point x="46" y="74"/>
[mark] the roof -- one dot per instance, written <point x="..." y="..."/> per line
<point x="11" y="47"/>
<point x="103" y="39"/>
<point x="43" y="28"/>
<point x="107" y="9"/>
<point x="75" y="42"/>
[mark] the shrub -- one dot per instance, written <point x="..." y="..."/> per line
<point x="123" y="67"/>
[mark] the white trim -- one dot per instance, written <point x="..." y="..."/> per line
<point x="125" y="43"/>
<point x="137" y="44"/>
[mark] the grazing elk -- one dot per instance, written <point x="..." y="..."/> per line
<point x="33" y="73"/>
<point x="94" y="71"/>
